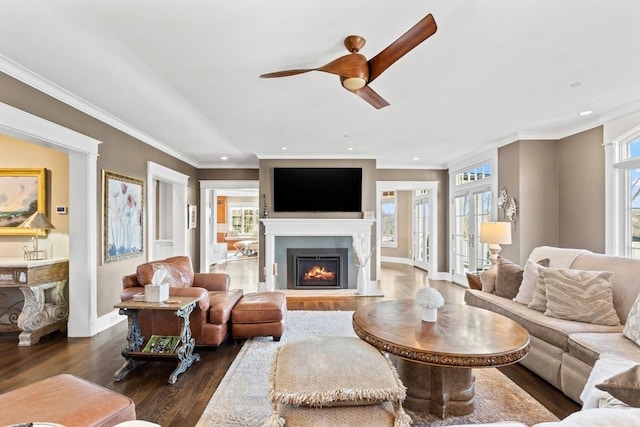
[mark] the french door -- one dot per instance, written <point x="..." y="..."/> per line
<point x="469" y="211"/>
<point x="421" y="238"/>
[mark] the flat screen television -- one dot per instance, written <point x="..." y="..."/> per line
<point x="317" y="189"/>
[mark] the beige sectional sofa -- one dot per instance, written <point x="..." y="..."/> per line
<point x="563" y="352"/>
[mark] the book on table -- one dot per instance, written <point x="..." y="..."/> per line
<point x="162" y="344"/>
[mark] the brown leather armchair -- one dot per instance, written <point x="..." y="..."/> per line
<point x="209" y="319"/>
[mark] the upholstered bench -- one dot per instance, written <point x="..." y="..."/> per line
<point x="334" y="381"/>
<point x="259" y="314"/>
<point x="68" y="400"/>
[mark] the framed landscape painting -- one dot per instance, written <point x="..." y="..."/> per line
<point x="122" y="219"/>
<point x="22" y="192"/>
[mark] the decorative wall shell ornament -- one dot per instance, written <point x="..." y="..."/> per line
<point x="512" y="210"/>
<point x="503" y="199"/>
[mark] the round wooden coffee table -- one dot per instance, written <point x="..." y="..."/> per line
<point x="435" y="360"/>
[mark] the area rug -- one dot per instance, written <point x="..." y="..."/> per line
<point x="242" y="397"/>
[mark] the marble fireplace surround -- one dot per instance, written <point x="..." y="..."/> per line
<point x="312" y="227"/>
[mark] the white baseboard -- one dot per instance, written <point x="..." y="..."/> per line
<point x="437" y="275"/>
<point x="396" y="260"/>
<point x="442" y="275"/>
<point x="106" y="321"/>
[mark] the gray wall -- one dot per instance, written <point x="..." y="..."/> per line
<point x="559" y="186"/>
<point x="582" y="191"/>
<point x="119" y="153"/>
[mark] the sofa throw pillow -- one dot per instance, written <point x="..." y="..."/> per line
<point x="508" y="278"/>
<point x="539" y="299"/>
<point x="474" y="281"/>
<point x="580" y="295"/>
<point x="632" y="327"/>
<point x="624" y="386"/>
<point x="607" y="365"/>
<point x="529" y="279"/>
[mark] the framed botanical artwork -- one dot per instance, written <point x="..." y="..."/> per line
<point x="22" y="193"/>
<point x="122" y="217"/>
<point x="192" y="211"/>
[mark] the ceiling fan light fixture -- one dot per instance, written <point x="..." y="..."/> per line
<point x="354" y="83"/>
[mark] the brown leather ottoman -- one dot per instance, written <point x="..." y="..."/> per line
<point x="259" y="314"/>
<point x="68" y="400"/>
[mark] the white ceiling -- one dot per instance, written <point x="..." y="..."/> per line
<point x="183" y="75"/>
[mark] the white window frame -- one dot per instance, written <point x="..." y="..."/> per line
<point x="394" y="243"/>
<point x="243" y="206"/>
<point x="617" y="202"/>
<point x="486" y="183"/>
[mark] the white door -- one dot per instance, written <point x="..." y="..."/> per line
<point x="470" y="210"/>
<point x="421" y="235"/>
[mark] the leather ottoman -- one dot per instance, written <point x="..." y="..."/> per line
<point x="68" y="400"/>
<point x="259" y="314"/>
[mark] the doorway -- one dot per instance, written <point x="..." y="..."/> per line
<point x="470" y="210"/>
<point x="227" y="206"/>
<point x="421" y="230"/>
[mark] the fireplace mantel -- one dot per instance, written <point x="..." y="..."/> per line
<point x="315" y="227"/>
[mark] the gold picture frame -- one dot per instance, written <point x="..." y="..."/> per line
<point x="122" y="217"/>
<point x="23" y="191"/>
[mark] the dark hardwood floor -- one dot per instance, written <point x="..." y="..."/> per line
<point x="181" y="404"/>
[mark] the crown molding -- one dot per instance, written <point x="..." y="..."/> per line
<point x="28" y="77"/>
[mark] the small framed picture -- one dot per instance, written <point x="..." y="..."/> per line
<point x="192" y="211"/>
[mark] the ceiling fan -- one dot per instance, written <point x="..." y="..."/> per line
<point x="356" y="73"/>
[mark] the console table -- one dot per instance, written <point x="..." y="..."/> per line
<point x="42" y="307"/>
<point x="133" y="352"/>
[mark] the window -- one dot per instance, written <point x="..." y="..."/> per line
<point x="244" y="220"/>
<point x="389" y="220"/>
<point x="625" y="205"/>
<point x="472" y="189"/>
<point x="477" y="173"/>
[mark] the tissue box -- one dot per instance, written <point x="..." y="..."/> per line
<point x="156" y="293"/>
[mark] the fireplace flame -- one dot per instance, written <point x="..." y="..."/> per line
<point x="317" y="273"/>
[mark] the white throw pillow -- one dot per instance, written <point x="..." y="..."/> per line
<point x="632" y="327"/>
<point x="528" y="286"/>
<point x="606" y="366"/>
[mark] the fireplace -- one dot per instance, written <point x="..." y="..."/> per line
<point x="317" y="268"/>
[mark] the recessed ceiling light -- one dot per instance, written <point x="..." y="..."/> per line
<point x="586" y="113"/>
<point x="224" y="158"/>
<point x="416" y="158"/>
<point x="350" y="148"/>
<point x="284" y="148"/>
<point x="575" y="84"/>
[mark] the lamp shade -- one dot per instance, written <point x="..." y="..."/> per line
<point x="38" y="220"/>
<point x="495" y="232"/>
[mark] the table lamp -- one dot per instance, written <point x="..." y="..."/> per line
<point x="495" y="234"/>
<point x="37" y="221"/>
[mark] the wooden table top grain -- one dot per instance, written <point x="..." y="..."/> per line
<point x="463" y="336"/>
<point x="172" y="304"/>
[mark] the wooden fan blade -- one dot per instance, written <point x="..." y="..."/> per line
<point x="285" y="73"/>
<point x="396" y="50"/>
<point x="371" y="97"/>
